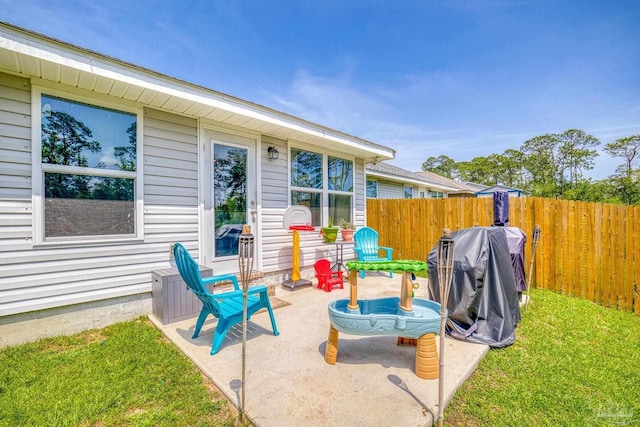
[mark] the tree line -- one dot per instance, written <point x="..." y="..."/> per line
<point x="553" y="165"/>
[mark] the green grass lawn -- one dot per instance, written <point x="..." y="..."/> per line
<point x="573" y="364"/>
<point x="125" y="374"/>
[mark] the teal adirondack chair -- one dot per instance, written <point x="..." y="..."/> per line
<point x="367" y="247"/>
<point x="225" y="306"/>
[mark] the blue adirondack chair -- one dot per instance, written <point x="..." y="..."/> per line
<point x="367" y="247"/>
<point x="225" y="306"/>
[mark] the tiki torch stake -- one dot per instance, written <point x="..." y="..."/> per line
<point x="534" y="245"/>
<point x="245" y="264"/>
<point x="445" y="274"/>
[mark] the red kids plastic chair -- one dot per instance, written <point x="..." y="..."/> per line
<point x="327" y="279"/>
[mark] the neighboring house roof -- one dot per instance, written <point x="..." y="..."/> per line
<point x="394" y="173"/>
<point x="459" y="186"/>
<point x="496" y="188"/>
<point x="475" y="186"/>
<point x="32" y="54"/>
<point x="471" y="187"/>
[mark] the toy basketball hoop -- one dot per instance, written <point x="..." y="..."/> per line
<point x="297" y="218"/>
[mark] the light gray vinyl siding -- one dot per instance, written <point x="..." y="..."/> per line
<point x="170" y="179"/>
<point x="15" y="163"/>
<point x="274" y="174"/>
<point x="276" y="241"/>
<point x="46" y="276"/>
<point x="390" y="190"/>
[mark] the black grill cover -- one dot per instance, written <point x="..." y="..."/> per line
<point x="483" y="300"/>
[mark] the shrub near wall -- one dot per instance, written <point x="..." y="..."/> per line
<point x="588" y="250"/>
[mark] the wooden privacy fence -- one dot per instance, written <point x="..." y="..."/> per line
<point x="587" y="250"/>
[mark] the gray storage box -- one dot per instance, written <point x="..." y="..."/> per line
<point x="171" y="299"/>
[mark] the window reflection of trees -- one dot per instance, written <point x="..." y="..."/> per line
<point x="64" y="138"/>
<point x="306" y="169"/>
<point x="119" y="188"/>
<point x="340" y="174"/>
<point x="230" y="185"/>
<point x="66" y="141"/>
<point x="372" y="189"/>
<point x="230" y="201"/>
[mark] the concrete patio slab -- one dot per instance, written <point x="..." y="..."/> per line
<point x="288" y="382"/>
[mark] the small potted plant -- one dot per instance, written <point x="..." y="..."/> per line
<point x="347" y="230"/>
<point x="329" y="233"/>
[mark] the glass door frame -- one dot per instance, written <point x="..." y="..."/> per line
<point x="210" y="138"/>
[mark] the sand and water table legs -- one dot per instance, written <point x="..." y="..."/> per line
<point x="426" y="365"/>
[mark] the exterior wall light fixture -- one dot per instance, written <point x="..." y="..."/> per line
<point x="273" y="153"/>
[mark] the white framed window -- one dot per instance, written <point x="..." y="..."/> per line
<point x="436" y="194"/>
<point x="372" y="189"/>
<point x="87" y="169"/>
<point x="340" y="191"/>
<point x="408" y="192"/>
<point x="323" y="183"/>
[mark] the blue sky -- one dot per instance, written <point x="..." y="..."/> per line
<point x="431" y="77"/>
